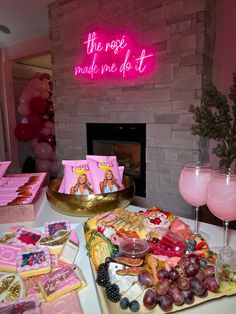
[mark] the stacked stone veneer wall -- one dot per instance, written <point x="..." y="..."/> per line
<point x="182" y="31"/>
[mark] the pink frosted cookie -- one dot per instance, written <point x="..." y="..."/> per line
<point x="33" y="263"/>
<point x="8" y="257"/>
<point x="25" y="236"/>
<point x="67" y="304"/>
<point x="21" y="306"/>
<point x="69" y="252"/>
<point x="32" y="288"/>
<point x="59" y="282"/>
<point x="51" y="228"/>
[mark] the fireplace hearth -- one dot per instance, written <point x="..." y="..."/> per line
<point x="127" y="142"/>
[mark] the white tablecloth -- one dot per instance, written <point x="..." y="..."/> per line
<point x="225" y="305"/>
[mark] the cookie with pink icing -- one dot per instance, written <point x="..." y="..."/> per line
<point x="8" y="257"/>
<point x="27" y="237"/>
<point x="66" y="304"/>
<point x="51" y="228"/>
<point x="59" y="282"/>
<point x="33" y="263"/>
<point x="22" y="305"/>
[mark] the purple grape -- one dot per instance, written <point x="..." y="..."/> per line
<point x="162" y="287"/>
<point x="149" y="299"/>
<point x="209" y="270"/>
<point x="183" y="283"/>
<point x="145" y="279"/>
<point x="174" y="274"/>
<point x="176" y="295"/>
<point x="163" y="274"/>
<point x="166" y="303"/>
<point x="211" y="284"/>
<point x="188" y="296"/>
<point x="197" y="287"/>
<point x="200" y="275"/>
<point x="191" y="270"/>
<point x="193" y="259"/>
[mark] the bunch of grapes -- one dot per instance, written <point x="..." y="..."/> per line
<point x="180" y="285"/>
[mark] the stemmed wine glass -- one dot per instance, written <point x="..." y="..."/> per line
<point x="221" y="199"/>
<point x="193" y="186"/>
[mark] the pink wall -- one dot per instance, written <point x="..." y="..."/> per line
<point x="224" y="61"/>
<point x="225" y="47"/>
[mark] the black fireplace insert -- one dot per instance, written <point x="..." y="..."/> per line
<point x="125" y="140"/>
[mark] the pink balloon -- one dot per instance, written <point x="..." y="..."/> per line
<point x="24" y="110"/>
<point x="36" y="83"/>
<point x="34" y="142"/>
<point x="34" y="119"/>
<point x="54" y="156"/>
<point x="43" y="151"/>
<point x="34" y="92"/>
<point x="53" y="168"/>
<point x="24" y="120"/>
<point x="44" y="95"/>
<point x="44" y="165"/>
<point x="26" y="95"/>
<point x="49" y="124"/>
<point x="46" y="131"/>
<point x="22" y="100"/>
<point x="45" y="85"/>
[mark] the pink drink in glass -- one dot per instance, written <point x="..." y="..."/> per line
<point x="193" y="184"/>
<point x="222" y="196"/>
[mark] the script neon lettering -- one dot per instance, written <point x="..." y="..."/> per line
<point x="115" y="57"/>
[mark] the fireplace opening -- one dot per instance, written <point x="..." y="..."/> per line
<point x="127" y="142"/>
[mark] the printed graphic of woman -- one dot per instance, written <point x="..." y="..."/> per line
<point x="82" y="187"/>
<point x="109" y="184"/>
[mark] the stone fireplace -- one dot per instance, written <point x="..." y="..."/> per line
<point x="181" y="33"/>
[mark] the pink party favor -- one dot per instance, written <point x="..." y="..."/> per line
<point x="105" y="174"/>
<point x="77" y="180"/>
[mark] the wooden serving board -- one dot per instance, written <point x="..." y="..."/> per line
<point x="114" y="308"/>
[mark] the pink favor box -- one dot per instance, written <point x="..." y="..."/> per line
<point x="26" y="212"/>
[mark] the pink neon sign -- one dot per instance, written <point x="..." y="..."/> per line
<point x="114" y="57"/>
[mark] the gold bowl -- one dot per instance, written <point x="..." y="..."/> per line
<point x="77" y="205"/>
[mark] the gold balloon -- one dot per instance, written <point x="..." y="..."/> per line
<point x="77" y="205"/>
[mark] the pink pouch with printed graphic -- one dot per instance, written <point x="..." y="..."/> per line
<point x="104" y="173"/>
<point x="77" y="179"/>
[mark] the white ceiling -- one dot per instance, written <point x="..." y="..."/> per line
<point x="26" y="19"/>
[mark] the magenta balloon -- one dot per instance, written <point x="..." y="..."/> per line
<point x="34" y="119"/>
<point x="24" y="110"/>
<point x="46" y="131"/>
<point x="43" y="151"/>
<point x="44" y="165"/>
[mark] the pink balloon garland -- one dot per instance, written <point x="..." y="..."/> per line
<point x="37" y="122"/>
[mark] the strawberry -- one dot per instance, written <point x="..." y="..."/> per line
<point x="202" y="245"/>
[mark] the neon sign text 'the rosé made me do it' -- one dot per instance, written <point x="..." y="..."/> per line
<point x="114" y="57"/>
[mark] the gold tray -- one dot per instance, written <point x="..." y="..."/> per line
<point x="114" y="308"/>
<point x="77" y="205"/>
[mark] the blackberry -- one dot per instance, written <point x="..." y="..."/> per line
<point x="102" y="267"/>
<point x="113" y="293"/>
<point x="103" y="279"/>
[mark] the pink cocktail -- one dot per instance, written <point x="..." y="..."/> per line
<point x="221" y="199"/>
<point x="193" y="185"/>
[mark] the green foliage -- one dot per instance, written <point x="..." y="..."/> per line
<point x="216" y="119"/>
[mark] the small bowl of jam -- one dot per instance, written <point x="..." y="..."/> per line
<point x="134" y="247"/>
